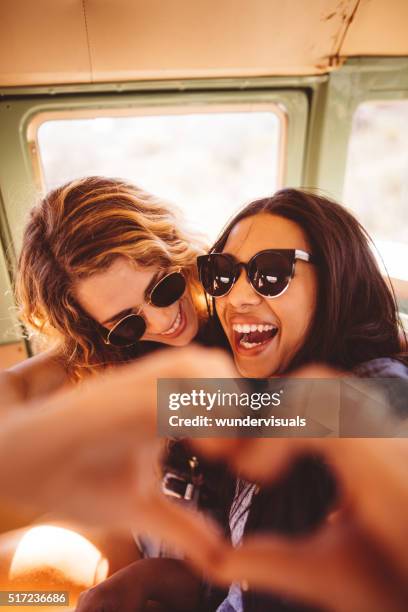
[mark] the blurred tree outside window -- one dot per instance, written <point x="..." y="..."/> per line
<point x="376" y="185"/>
<point x="208" y="164"/>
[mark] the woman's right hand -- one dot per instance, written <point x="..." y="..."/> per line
<point x="357" y="560"/>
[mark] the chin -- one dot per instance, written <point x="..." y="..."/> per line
<point x="181" y="341"/>
<point x="254" y="370"/>
<point x="186" y="337"/>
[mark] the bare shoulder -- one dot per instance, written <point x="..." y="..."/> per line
<point x="33" y="378"/>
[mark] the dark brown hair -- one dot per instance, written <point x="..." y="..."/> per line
<point x="356" y="315"/>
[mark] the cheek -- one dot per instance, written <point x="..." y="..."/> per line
<point x="191" y="315"/>
<point x="220" y="310"/>
<point x="296" y="312"/>
<point x="188" y="305"/>
<point x="310" y="303"/>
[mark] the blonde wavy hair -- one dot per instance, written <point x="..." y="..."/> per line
<point x="79" y="229"/>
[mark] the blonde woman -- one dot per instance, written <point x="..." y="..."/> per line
<point x="105" y="274"/>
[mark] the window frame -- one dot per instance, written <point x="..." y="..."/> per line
<point x="149" y="111"/>
<point x="22" y="117"/>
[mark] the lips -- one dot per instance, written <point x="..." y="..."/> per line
<point x="178" y="325"/>
<point x="252" y="338"/>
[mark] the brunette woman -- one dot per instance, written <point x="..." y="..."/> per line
<point x="294" y="281"/>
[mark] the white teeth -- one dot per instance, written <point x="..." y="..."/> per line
<point x="246" y="328"/>
<point x="249" y="345"/>
<point x="174" y="327"/>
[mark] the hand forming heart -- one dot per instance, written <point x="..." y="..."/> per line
<point x="358" y="559"/>
<point x="93" y="453"/>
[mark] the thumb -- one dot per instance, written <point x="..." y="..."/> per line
<point x="336" y="568"/>
<point x="191" y="533"/>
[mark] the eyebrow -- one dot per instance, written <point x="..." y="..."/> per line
<point x="119" y="315"/>
<point x="124" y="313"/>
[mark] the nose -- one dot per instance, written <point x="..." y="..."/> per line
<point x="242" y="294"/>
<point x="159" y="320"/>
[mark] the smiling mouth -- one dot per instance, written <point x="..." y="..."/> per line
<point x="249" y="337"/>
<point x="177" y="325"/>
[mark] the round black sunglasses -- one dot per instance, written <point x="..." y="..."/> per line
<point x="269" y="271"/>
<point x="132" y="327"/>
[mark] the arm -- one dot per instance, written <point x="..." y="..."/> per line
<point x="95" y="444"/>
<point x="33" y="378"/>
<point x="166" y="581"/>
<point x="117" y="545"/>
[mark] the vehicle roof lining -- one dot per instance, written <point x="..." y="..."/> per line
<point x="83" y="41"/>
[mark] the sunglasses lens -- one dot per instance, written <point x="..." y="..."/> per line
<point x="216" y="274"/>
<point x="168" y="290"/>
<point x="128" y="331"/>
<point x="270" y="273"/>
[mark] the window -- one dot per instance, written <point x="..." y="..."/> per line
<point x="376" y="184"/>
<point x="208" y="163"/>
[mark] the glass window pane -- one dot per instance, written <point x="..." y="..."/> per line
<point x="376" y="184"/>
<point x="209" y="164"/>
